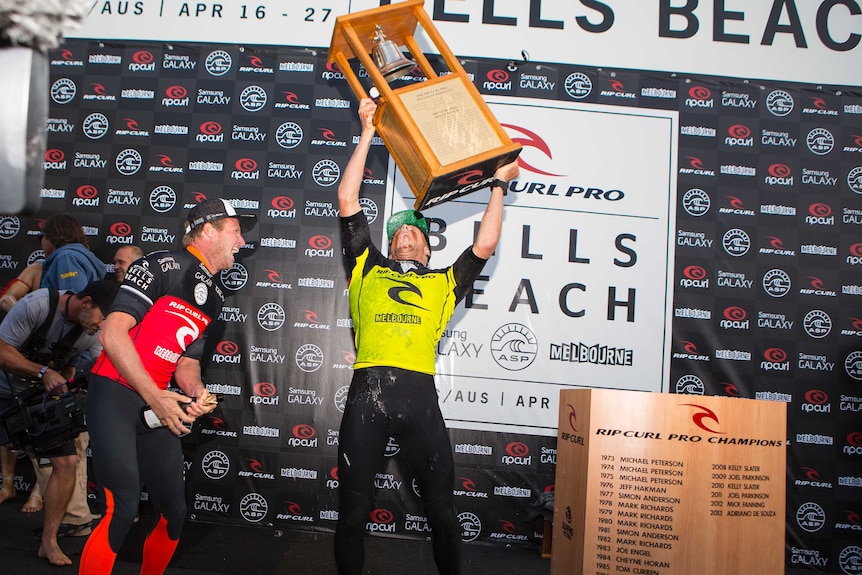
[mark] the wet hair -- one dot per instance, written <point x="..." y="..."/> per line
<point x="62" y="229"/>
<point x="196" y="232"/>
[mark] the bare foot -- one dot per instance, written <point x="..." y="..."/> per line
<point x="53" y="554"/>
<point x="34" y="502"/>
<point x="7" y="491"/>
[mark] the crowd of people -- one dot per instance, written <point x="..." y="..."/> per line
<point x="135" y="341"/>
<point x="51" y="314"/>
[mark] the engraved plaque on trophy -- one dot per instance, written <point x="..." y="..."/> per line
<point x="669" y="484"/>
<point x="441" y="133"/>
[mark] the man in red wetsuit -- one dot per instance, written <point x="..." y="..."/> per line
<point x="153" y="334"/>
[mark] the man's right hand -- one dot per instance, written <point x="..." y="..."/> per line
<point x="367" y="109"/>
<point x="165" y="404"/>
<point x="54" y="382"/>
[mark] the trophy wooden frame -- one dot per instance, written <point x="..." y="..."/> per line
<point x="669" y="484"/>
<point x="440" y="132"/>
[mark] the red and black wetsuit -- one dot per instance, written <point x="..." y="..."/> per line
<point x="174" y="298"/>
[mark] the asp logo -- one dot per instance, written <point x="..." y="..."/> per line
<point x="514" y="346"/>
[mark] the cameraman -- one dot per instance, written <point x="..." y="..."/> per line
<point x="41" y="347"/>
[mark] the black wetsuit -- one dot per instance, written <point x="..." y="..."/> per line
<point x="399" y="311"/>
<point x="174" y="298"/>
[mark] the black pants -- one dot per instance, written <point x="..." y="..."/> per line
<point x="384" y="402"/>
<point x="126" y="456"/>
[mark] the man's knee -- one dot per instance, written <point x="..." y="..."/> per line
<point x="65" y="464"/>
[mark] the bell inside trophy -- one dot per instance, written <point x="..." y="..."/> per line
<point x="390" y="60"/>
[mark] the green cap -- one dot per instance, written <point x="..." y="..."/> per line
<point x="409" y="217"/>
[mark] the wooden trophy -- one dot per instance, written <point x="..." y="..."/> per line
<point x="669" y="484"/>
<point x="440" y="132"/>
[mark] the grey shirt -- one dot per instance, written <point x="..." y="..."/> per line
<point x="24" y="318"/>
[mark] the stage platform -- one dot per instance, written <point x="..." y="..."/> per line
<point x="207" y="549"/>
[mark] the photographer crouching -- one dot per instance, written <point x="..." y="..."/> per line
<point x="41" y="339"/>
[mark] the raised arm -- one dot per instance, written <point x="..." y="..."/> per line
<point x="348" y="189"/>
<point x="492" y="220"/>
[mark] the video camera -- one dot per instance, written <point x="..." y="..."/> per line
<point x="42" y="421"/>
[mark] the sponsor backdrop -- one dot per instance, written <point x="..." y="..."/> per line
<point x="694" y="235"/>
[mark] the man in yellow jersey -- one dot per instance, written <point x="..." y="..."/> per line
<point x="399" y="309"/>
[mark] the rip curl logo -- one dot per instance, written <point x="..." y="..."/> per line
<point x="573" y="417"/>
<point x="705" y="413"/>
<point x="532" y="140"/>
<point x="265" y="389"/>
<point x="395" y="293"/>
<point x="465" y="178"/>
<point x="730" y="389"/>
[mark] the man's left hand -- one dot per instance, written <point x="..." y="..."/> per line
<point x="204" y="403"/>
